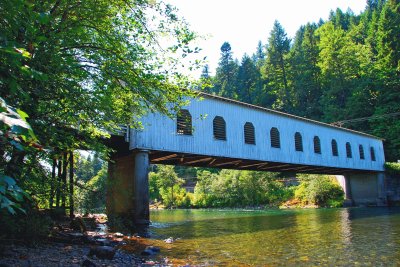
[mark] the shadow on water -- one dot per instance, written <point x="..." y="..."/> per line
<point x="192" y="224"/>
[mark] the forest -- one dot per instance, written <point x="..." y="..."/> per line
<point x="71" y="73"/>
<point x="344" y="71"/>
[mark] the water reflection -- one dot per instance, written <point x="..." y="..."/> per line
<point x="294" y="237"/>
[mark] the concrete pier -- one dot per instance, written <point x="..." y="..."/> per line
<point x="364" y="189"/>
<point x="128" y="190"/>
<point x="141" y="188"/>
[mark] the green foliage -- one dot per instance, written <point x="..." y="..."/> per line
<point x="232" y="188"/>
<point x="11" y="195"/>
<point x="392" y="168"/>
<point x="90" y="196"/>
<point x="80" y="69"/>
<point x="31" y="227"/>
<point x="165" y="185"/>
<point x="319" y="190"/>
<point x="15" y="135"/>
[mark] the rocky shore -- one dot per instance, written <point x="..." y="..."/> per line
<point x="83" y="241"/>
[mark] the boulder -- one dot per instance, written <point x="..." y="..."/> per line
<point x="102" y="252"/>
<point x="149" y="251"/>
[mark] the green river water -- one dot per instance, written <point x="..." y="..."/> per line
<point x="307" y="237"/>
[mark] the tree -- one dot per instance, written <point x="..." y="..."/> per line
<point x="343" y="64"/>
<point x="168" y="184"/>
<point x="305" y="73"/>
<point x="276" y="66"/>
<point x="248" y="81"/>
<point x="225" y="77"/>
<point x="80" y="69"/>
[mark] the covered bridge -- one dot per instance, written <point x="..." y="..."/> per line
<point x="213" y="131"/>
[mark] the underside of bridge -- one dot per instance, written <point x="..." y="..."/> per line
<point x="193" y="160"/>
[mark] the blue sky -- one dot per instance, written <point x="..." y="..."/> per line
<point x="244" y="23"/>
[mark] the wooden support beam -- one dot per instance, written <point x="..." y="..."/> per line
<point x="313" y="169"/>
<point x="198" y="160"/>
<point x="274" y="167"/>
<point x="165" y="157"/>
<point x="295" y="168"/>
<point x="228" y="163"/>
<point x="252" y="165"/>
<point x="265" y="164"/>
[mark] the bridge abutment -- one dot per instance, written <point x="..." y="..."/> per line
<point x="364" y="189"/>
<point x="128" y="190"/>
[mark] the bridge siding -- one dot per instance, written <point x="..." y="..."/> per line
<point x="160" y="134"/>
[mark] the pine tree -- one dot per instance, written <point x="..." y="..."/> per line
<point x="247" y="80"/>
<point x="276" y="66"/>
<point x="341" y="62"/>
<point x="305" y="74"/>
<point x="225" y="78"/>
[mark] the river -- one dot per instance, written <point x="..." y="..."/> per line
<point x="333" y="237"/>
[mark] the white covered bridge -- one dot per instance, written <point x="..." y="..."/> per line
<point x="218" y="132"/>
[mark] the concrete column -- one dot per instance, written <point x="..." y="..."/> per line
<point x="348" y="197"/>
<point x="141" y="188"/>
<point x="382" y="198"/>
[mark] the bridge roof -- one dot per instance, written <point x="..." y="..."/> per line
<point x="202" y="94"/>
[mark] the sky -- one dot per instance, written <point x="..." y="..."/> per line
<point x="244" y="23"/>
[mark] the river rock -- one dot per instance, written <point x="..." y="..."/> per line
<point x="102" y="252"/>
<point x="88" y="263"/>
<point x="149" y="251"/>
<point x="169" y="240"/>
<point x="117" y="234"/>
<point x="102" y="241"/>
<point x="78" y="224"/>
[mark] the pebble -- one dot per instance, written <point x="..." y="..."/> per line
<point x="74" y="255"/>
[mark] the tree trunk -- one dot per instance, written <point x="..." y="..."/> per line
<point x="71" y="184"/>
<point x="52" y="183"/>
<point x="58" y="184"/>
<point x="64" y="180"/>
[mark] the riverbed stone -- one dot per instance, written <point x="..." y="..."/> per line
<point x="102" y="252"/>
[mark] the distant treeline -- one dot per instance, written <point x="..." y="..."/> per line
<point x="342" y="69"/>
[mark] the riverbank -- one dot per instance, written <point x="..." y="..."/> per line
<point x="84" y="241"/>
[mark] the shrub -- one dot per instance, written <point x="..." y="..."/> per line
<point x="319" y="190"/>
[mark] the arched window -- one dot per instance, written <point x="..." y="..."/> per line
<point x="372" y="151"/>
<point x="249" y="136"/>
<point x="298" y="142"/>
<point x="184" y="122"/>
<point x="317" y="145"/>
<point x="334" y="148"/>
<point x="219" y="128"/>
<point x="348" y="150"/>
<point x="361" y="150"/>
<point x="275" y="138"/>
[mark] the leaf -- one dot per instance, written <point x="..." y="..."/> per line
<point x="5" y="202"/>
<point x="9" y="181"/>
<point x="11" y="210"/>
<point x="44" y="18"/>
<point x="17" y="145"/>
<point x="22" y="114"/>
